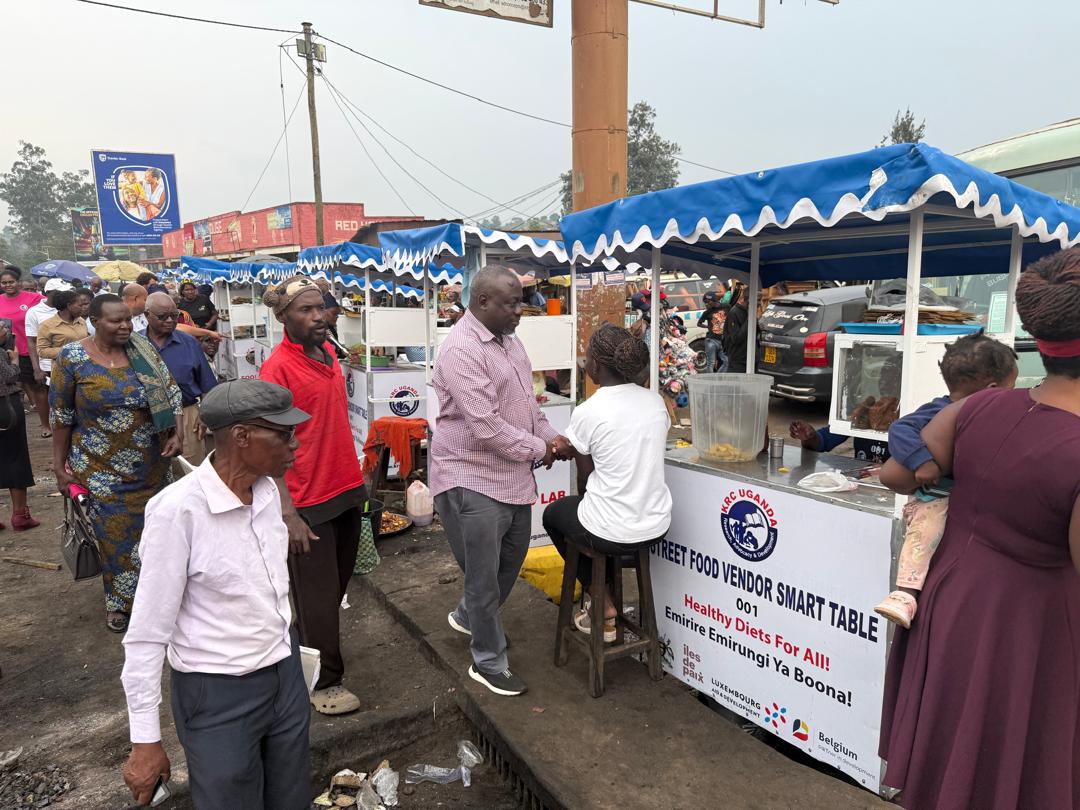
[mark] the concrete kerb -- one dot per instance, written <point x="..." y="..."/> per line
<point x="514" y="766"/>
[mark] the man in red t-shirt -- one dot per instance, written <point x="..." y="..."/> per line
<point x="323" y="494"/>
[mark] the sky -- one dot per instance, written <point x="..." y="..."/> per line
<point x="819" y="80"/>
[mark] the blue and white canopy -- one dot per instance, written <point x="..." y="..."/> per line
<point x="379" y="285"/>
<point x="407" y="251"/>
<point x="211" y="271"/>
<point x="326" y="257"/>
<point x="841" y="218"/>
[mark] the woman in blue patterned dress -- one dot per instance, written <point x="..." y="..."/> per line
<point x="116" y="420"/>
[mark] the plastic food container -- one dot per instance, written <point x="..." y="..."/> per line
<point x="728" y="413"/>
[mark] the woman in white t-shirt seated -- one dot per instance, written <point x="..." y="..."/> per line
<point x="619" y="435"/>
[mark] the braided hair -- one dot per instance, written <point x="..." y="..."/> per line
<point x="617" y="350"/>
<point x="1048" y="301"/>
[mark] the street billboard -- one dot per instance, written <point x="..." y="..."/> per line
<point x="136" y="195"/>
<point x="86" y="236"/>
<point x="533" y="12"/>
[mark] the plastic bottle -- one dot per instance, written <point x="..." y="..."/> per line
<point x="419" y="505"/>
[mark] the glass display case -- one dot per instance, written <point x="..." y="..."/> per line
<point x="868" y="377"/>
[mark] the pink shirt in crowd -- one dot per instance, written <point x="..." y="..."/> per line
<point x="15" y="309"/>
<point x="490" y="429"/>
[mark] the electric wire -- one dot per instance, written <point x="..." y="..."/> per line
<point x="447" y="87"/>
<point x="381" y="62"/>
<point x="429" y="162"/>
<point x="284" y="129"/>
<point x="285" y="125"/>
<point x="370" y="157"/>
<point x="515" y="201"/>
<point x="189" y="19"/>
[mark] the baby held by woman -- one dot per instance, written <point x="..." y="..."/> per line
<point x="970" y="364"/>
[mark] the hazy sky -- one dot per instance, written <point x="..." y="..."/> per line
<point x="819" y="80"/>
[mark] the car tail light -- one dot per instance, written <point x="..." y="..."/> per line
<point x="815" y="351"/>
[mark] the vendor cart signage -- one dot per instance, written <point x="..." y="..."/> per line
<point x="534" y="12"/>
<point x="782" y="633"/>
<point x="410" y="401"/>
<point x="749" y="524"/>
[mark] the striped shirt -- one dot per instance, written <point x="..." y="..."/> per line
<point x="490" y="429"/>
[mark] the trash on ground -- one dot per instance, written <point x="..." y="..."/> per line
<point x="48" y="566"/>
<point x="385" y="780"/>
<point x="351" y="789"/>
<point x="368" y="799"/>
<point x="469" y="757"/>
<point x="8" y="758"/>
<point x="347" y="779"/>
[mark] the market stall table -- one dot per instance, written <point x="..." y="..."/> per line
<point x="766" y="591"/>
<point x="765" y="598"/>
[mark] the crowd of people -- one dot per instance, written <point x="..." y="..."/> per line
<point x="988" y="570"/>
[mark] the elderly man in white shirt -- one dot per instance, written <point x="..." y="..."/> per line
<point x="214" y="596"/>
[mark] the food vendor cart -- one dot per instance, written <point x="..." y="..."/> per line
<point x="250" y="328"/>
<point x="379" y="383"/>
<point x="548" y="339"/>
<point x="765" y="591"/>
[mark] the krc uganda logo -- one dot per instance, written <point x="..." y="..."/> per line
<point x="409" y="403"/>
<point x="749" y="524"/>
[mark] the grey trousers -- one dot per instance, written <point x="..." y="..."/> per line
<point x="246" y="736"/>
<point x="489" y="540"/>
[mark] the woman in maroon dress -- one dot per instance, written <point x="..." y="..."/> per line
<point x="982" y="694"/>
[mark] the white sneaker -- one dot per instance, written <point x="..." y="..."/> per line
<point x="504" y="683"/>
<point x="451" y="620"/>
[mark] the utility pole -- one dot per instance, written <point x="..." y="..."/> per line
<point x="315" y="166"/>
<point x="599" y="43"/>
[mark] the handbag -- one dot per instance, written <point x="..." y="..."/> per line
<point x="9" y="417"/>
<point x="78" y="545"/>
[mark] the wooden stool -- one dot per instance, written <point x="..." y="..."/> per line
<point x="378" y="481"/>
<point x="600" y="653"/>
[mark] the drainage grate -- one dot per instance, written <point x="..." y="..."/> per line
<point x="524" y="794"/>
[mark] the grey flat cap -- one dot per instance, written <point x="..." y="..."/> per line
<point x="239" y="401"/>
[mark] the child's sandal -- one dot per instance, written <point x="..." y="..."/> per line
<point x="898" y="607"/>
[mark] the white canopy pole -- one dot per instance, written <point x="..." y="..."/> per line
<point x="1016" y="252"/>
<point x="654" y="329"/>
<point x="751" y="306"/>
<point x="573" y="334"/>
<point x="911" y="311"/>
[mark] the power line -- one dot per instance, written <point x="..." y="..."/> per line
<point x="431" y="163"/>
<point x="703" y="166"/>
<point x="444" y="86"/>
<point x="384" y="63"/>
<point x="285" y="125"/>
<point x="273" y="152"/>
<point x="189" y="19"/>
<point x="396" y="162"/>
<point x="516" y="200"/>
<point x="370" y="158"/>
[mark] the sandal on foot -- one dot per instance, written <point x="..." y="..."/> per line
<point x="116" y="621"/>
<point x="334" y="700"/>
<point x="45" y="434"/>
<point x="898" y="607"/>
<point x="583" y="622"/>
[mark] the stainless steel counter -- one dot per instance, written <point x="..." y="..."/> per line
<point x="798" y="464"/>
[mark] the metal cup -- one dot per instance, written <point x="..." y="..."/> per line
<point x="776" y="448"/>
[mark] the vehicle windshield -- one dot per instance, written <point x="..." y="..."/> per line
<point x="685" y="294"/>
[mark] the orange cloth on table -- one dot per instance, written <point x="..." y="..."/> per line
<point x="397" y="433"/>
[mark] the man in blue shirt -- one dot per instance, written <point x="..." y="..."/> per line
<point x="187" y="362"/>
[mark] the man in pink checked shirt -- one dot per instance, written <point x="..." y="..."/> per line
<point x="489" y="435"/>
